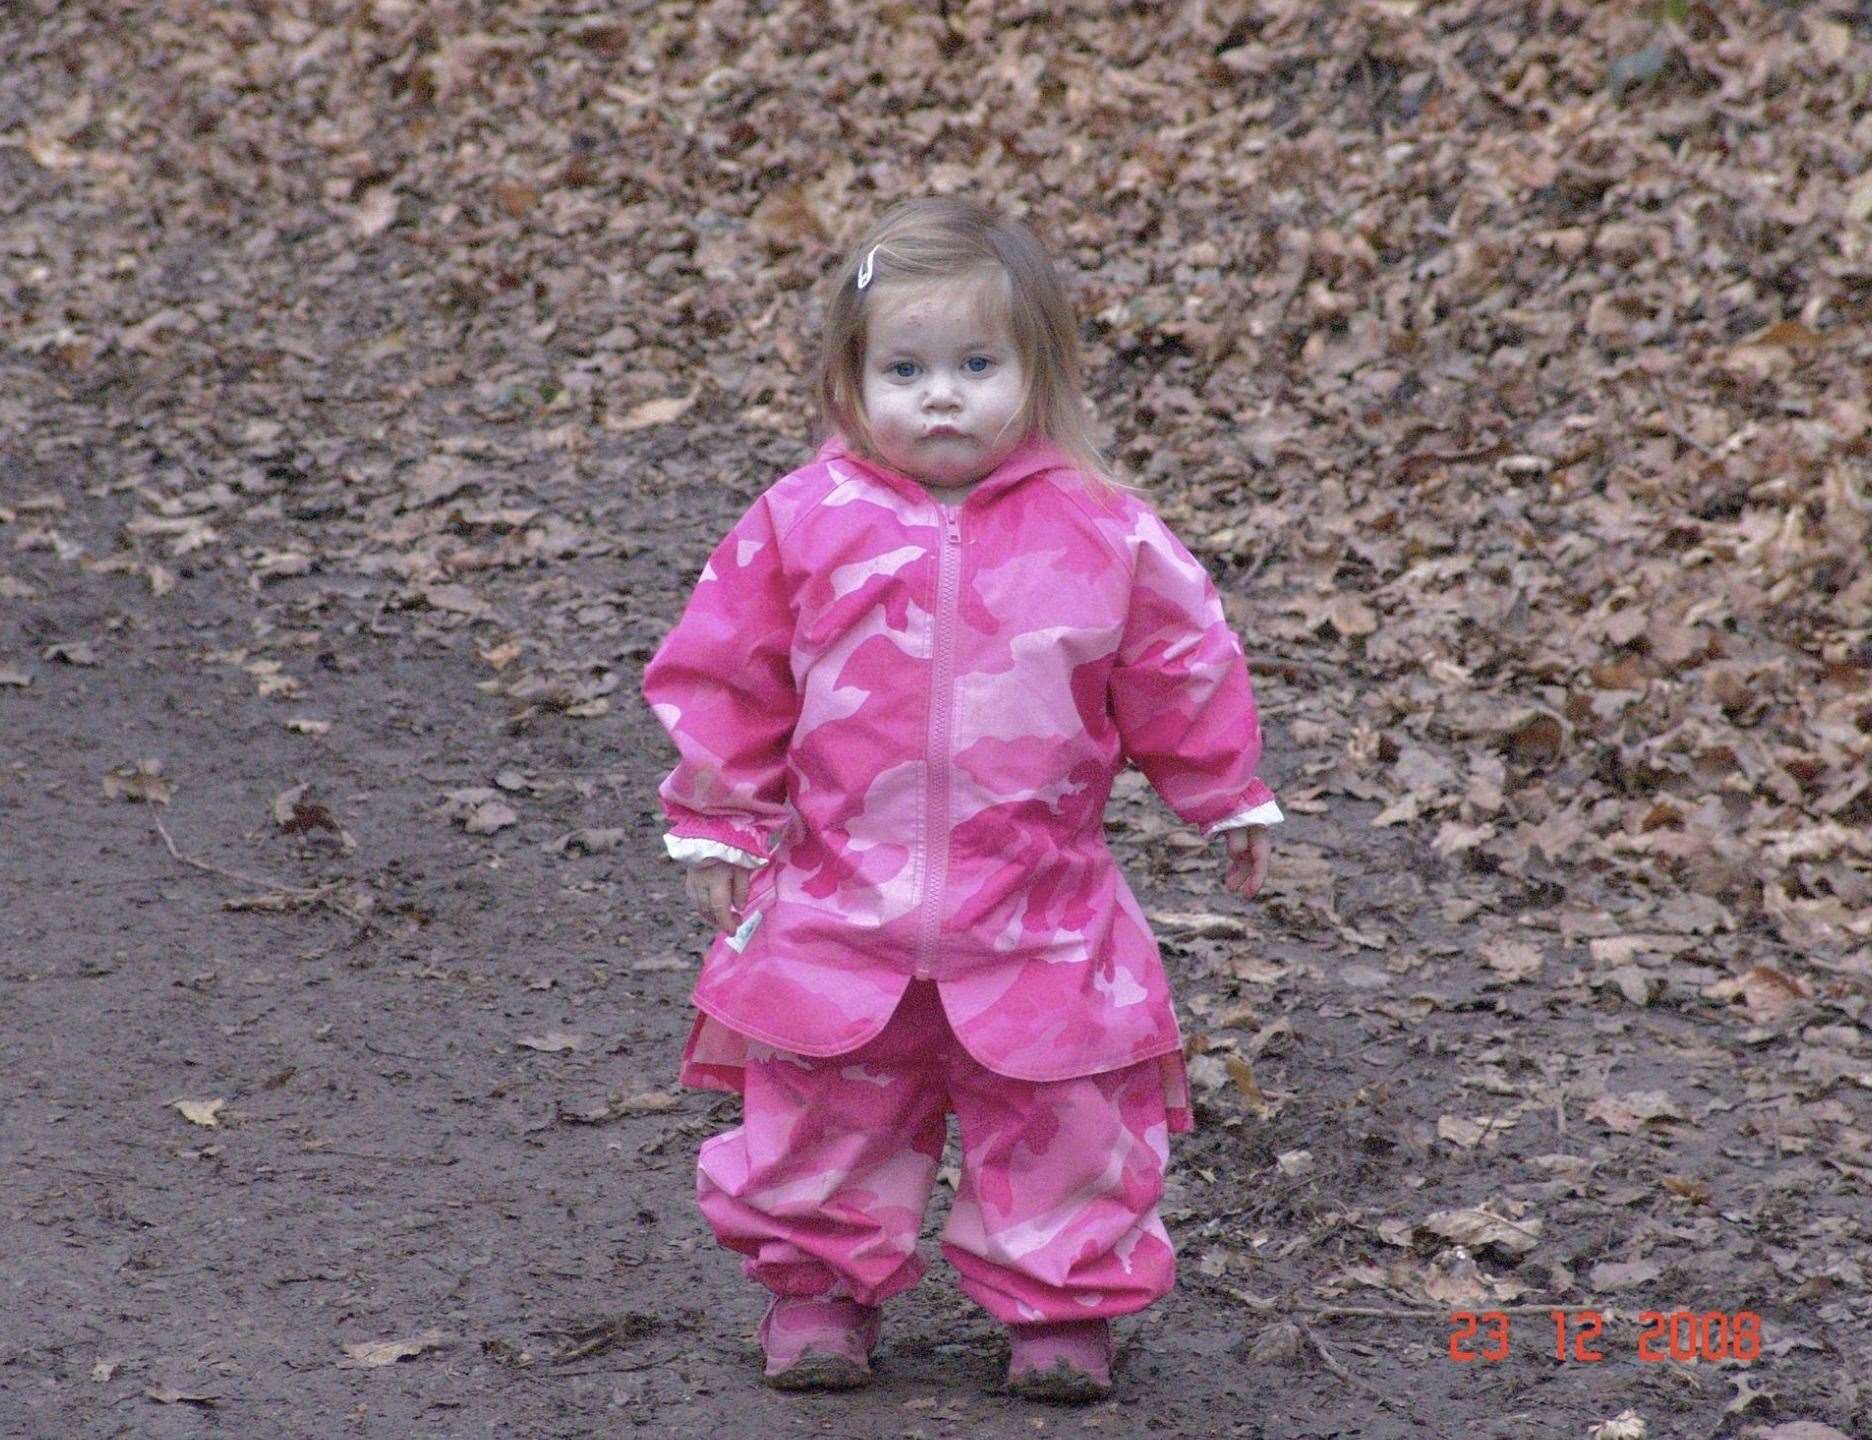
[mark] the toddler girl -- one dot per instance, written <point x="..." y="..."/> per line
<point x="900" y="694"/>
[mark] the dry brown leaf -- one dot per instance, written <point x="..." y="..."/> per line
<point x="1763" y="990"/>
<point x="1628" y="1112"/>
<point x="142" y="782"/>
<point x="375" y="212"/>
<point x="374" y="1354"/>
<point x="655" y="412"/>
<point x="1512" y="959"/>
<point x="200" y="1112"/>
<point x="554" y="1041"/>
<point x="1476" y="1229"/>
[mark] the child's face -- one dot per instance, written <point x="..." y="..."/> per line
<point x="943" y="383"/>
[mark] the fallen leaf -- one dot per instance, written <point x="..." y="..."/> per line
<point x="1638" y="986"/>
<point x="1626" y="1425"/>
<point x="1242" y="1073"/>
<point x="1538" y="738"/>
<point x="169" y="1395"/>
<point x="647" y="1102"/>
<point x="1201" y="924"/>
<point x="655" y="412"/>
<point x="373" y="1354"/>
<point x="587" y="841"/>
<point x="142" y="783"/>
<point x="489" y="818"/>
<point x="1628" y="1112"/>
<point x="200" y="1112"/>
<point x="553" y="1041"/>
<point x="71" y="652"/>
<point x="1479" y="1229"/>
<point x="281" y="564"/>
<point x="1468" y="1133"/>
<point x="1276" y="1344"/>
<point x="616" y="1106"/>
<point x="502" y="655"/>
<point x="1613" y="1275"/>
<point x="1764" y="991"/>
<point x="1515" y="959"/>
<point x="375" y="212"/>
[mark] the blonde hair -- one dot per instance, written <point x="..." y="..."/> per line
<point x="949" y="237"/>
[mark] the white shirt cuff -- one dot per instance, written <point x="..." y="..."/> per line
<point x="1266" y="813"/>
<point x="689" y="849"/>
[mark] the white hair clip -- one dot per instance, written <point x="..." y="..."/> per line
<point x="864" y="270"/>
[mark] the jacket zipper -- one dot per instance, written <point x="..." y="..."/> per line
<point x="942" y="683"/>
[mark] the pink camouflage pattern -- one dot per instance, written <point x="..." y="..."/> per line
<point x="914" y="713"/>
<point x="824" y="1188"/>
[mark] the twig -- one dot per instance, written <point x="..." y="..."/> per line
<point x="34" y="571"/>
<point x="317" y="1150"/>
<point x="535" y="1371"/>
<point x="1288" y="669"/>
<point x="34" y="1163"/>
<point x="1406" y="1408"/>
<point x="1671" y="427"/>
<point x="1380" y="1312"/>
<point x="319" y="896"/>
<point x="397" y="1054"/>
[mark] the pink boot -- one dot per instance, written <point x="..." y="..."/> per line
<point x="817" y="1343"/>
<point x="1065" y="1360"/>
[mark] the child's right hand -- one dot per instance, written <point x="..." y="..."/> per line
<point x="718" y="891"/>
<point x="1247" y="860"/>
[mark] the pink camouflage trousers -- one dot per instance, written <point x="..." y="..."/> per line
<point x="823" y="1186"/>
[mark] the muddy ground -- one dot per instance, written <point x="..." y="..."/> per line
<point x="395" y="1163"/>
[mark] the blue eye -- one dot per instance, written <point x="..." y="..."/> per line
<point x="983" y="358"/>
<point x="898" y="367"/>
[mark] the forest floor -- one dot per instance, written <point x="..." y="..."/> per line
<point x="342" y="976"/>
<point x="444" y="1063"/>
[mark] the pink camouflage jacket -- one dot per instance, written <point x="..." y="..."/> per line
<point x="908" y="716"/>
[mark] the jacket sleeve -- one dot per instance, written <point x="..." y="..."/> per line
<point x="1180" y="691"/>
<point x="721" y="685"/>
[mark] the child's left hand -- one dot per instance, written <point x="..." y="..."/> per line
<point x="1247" y="859"/>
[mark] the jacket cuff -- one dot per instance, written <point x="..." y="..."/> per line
<point x="689" y="849"/>
<point x="688" y="826"/>
<point x="1266" y="813"/>
<point x="1255" y="806"/>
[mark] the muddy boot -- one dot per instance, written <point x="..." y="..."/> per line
<point x="1067" y="1361"/>
<point x="818" y="1344"/>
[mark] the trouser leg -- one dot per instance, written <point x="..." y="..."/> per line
<point x="824" y="1184"/>
<point x="1056" y="1217"/>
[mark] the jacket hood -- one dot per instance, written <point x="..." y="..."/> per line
<point x="1032" y="456"/>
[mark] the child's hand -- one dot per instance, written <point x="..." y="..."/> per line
<point x="1247" y="859"/>
<point x="718" y="891"/>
